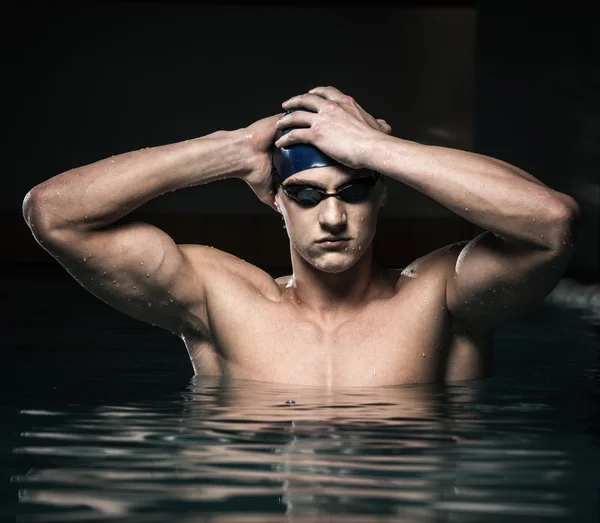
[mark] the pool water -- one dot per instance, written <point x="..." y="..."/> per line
<point x="103" y="421"/>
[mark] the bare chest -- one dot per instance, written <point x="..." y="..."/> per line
<point x="390" y="342"/>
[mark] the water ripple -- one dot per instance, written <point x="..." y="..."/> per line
<point x="465" y="452"/>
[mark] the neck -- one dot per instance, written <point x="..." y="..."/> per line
<point x="329" y="294"/>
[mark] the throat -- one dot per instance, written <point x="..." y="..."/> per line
<point x="330" y="298"/>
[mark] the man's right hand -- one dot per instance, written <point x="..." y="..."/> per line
<point x="261" y="135"/>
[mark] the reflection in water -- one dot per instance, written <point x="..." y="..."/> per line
<point x="272" y="452"/>
<point x="356" y="450"/>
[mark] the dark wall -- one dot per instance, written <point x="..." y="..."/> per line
<point x="97" y="79"/>
<point x="538" y="104"/>
<point x="94" y="79"/>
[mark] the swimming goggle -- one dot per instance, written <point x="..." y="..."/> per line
<point x="354" y="191"/>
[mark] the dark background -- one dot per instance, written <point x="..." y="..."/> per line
<point x="88" y="80"/>
<point x="83" y="81"/>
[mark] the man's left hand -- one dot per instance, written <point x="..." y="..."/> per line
<point x="333" y="122"/>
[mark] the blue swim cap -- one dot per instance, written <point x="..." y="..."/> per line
<point x="288" y="161"/>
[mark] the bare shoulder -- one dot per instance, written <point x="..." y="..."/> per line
<point x="221" y="268"/>
<point x="470" y="352"/>
<point x="440" y="259"/>
<point x="434" y="270"/>
<point x="436" y="265"/>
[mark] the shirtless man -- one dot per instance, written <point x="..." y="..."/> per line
<point x="339" y="319"/>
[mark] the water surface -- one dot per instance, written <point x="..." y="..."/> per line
<point x="103" y="420"/>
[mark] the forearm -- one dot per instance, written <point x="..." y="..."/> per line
<point x="98" y="194"/>
<point x="489" y="193"/>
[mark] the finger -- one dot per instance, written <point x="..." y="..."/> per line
<point x="298" y="118"/>
<point x="294" y="136"/>
<point x="333" y="94"/>
<point x="312" y="102"/>
<point x="385" y="127"/>
<point x="270" y="202"/>
<point x="267" y="196"/>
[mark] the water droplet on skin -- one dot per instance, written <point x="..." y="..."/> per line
<point x="346" y="249"/>
<point x="134" y="287"/>
<point x="466" y="208"/>
<point x="359" y="247"/>
<point x="436" y="317"/>
<point x="541" y="236"/>
<point x="142" y="264"/>
<point x="149" y="304"/>
<point x="147" y="275"/>
<point x="362" y="219"/>
<point x="423" y="354"/>
<point x="564" y="243"/>
<point x="84" y="260"/>
<point x="114" y="281"/>
<point x="171" y="300"/>
<point x="298" y="302"/>
<point x="533" y="220"/>
<point x="290" y="402"/>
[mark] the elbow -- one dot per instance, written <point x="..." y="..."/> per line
<point x="569" y="208"/>
<point x="567" y="220"/>
<point x="36" y="213"/>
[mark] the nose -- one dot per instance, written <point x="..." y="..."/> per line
<point x="332" y="215"/>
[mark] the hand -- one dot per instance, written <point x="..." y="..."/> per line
<point x="337" y="125"/>
<point x="259" y="137"/>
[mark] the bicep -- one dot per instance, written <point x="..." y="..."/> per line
<point x="137" y="269"/>
<point x="491" y="280"/>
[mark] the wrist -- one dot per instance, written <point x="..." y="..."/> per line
<point x="382" y="152"/>
<point x="372" y="147"/>
<point x="237" y="149"/>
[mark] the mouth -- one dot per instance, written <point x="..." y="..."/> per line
<point x="334" y="243"/>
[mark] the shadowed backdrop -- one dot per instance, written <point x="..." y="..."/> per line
<point x="95" y="79"/>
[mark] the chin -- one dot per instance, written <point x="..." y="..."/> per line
<point x="334" y="264"/>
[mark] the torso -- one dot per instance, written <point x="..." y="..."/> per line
<point x="405" y="336"/>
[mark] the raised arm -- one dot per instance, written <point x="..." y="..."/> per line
<point x="80" y="218"/>
<point x="531" y="229"/>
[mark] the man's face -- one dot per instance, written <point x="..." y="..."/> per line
<point x="352" y="223"/>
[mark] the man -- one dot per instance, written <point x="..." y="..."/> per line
<point x="339" y="319"/>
